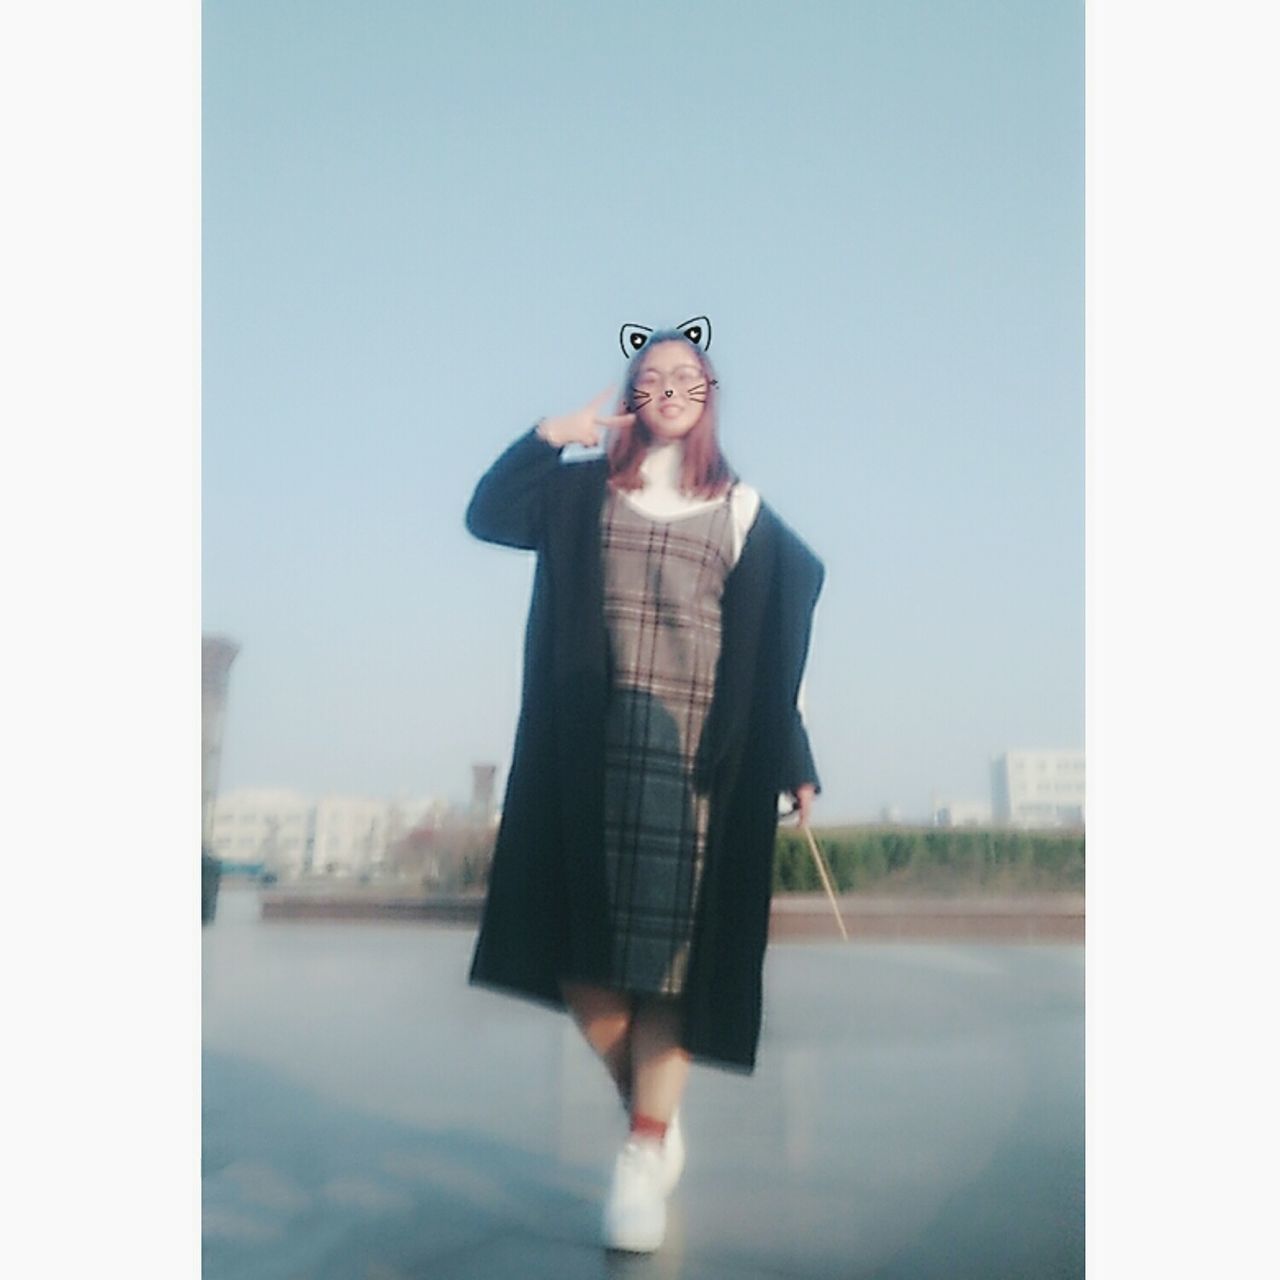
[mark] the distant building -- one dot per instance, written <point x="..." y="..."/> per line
<point x="1038" y="788"/>
<point x="962" y="813"/>
<point x="290" y="834"/>
<point x="263" y="829"/>
<point x="350" y="835"/>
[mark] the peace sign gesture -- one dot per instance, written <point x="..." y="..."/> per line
<point x="583" y="427"/>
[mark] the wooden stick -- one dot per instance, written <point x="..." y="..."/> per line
<point x="826" y="881"/>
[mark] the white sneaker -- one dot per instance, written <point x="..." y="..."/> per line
<point x="635" y="1210"/>
<point x="672" y="1154"/>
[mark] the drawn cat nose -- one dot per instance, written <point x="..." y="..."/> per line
<point x="668" y="392"/>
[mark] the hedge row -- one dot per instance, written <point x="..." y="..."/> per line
<point x="860" y="857"/>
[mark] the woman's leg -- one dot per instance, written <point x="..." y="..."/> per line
<point x="605" y="1019"/>
<point x="660" y="1067"/>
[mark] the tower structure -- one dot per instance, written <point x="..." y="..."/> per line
<point x="216" y="656"/>
<point x="482" y="778"/>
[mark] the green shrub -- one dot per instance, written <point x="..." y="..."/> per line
<point x="861" y="858"/>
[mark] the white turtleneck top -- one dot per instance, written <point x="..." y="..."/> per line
<point x="661" y="499"/>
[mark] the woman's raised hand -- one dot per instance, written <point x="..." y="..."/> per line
<point x="804" y="795"/>
<point x="584" y="426"/>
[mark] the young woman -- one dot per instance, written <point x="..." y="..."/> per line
<point x="666" y="642"/>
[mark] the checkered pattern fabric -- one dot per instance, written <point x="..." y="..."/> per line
<point x="663" y="579"/>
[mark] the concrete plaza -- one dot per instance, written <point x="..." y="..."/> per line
<point x="917" y="1111"/>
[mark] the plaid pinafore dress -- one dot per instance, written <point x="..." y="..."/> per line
<point x="663" y="579"/>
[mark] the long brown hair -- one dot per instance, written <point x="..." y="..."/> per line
<point x="706" y="471"/>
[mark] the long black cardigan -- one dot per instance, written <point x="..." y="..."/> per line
<point x="545" y="913"/>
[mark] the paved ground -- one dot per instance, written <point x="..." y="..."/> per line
<point x="917" y="1112"/>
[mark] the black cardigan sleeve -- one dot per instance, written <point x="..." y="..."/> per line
<point x="800" y="767"/>
<point x="509" y="504"/>
<point x="802" y="577"/>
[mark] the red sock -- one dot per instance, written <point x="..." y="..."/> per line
<point x="647" y="1127"/>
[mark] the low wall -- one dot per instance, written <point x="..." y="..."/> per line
<point x="1040" y="917"/>
<point x="799" y="917"/>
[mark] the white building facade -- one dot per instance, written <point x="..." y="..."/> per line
<point x="262" y="827"/>
<point x="290" y="834"/>
<point x="1038" y="788"/>
<point x="349" y="835"/>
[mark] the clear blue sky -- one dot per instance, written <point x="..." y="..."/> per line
<point x="423" y="228"/>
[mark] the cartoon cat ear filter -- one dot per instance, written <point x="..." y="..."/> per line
<point x="634" y="336"/>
